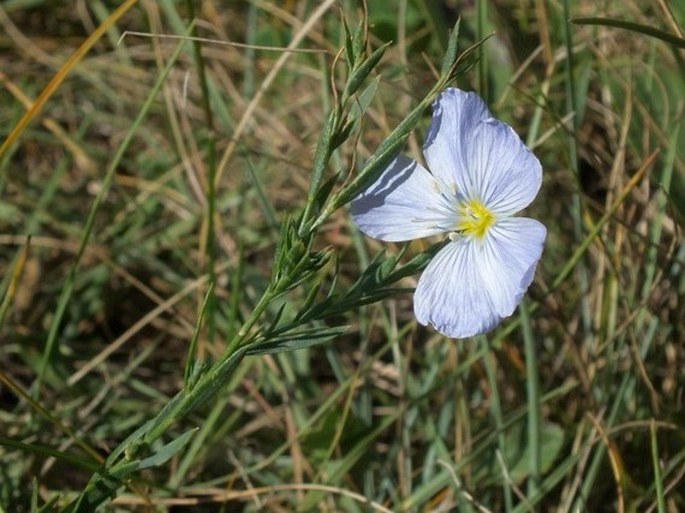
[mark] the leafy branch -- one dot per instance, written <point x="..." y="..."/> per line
<point x="295" y="264"/>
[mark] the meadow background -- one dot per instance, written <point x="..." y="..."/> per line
<point x="576" y="403"/>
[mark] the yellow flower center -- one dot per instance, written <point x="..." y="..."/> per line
<point x="476" y="219"/>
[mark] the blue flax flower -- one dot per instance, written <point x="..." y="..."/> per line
<point x="481" y="174"/>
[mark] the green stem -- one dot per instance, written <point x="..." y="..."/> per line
<point x="211" y="172"/>
<point x="658" y="479"/>
<point x="496" y="411"/>
<point x="533" y="392"/>
<point x="187" y="400"/>
<point x="239" y="340"/>
<point x="576" y="206"/>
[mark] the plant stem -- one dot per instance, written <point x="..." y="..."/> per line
<point x="533" y="389"/>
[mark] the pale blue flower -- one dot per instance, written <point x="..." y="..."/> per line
<point x="481" y="174"/>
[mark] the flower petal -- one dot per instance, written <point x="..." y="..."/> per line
<point x="483" y="157"/>
<point x="450" y="294"/>
<point x="510" y="254"/>
<point x="471" y="285"/>
<point x="506" y="174"/>
<point x="456" y="116"/>
<point x="405" y="203"/>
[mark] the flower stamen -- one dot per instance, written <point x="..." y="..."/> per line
<point x="476" y="219"/>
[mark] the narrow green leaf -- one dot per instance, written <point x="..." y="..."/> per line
<point x="310" y="298"/>
<point x="490" y="362"/>
<point x="322" y="155"/>
<point x="349" y="47"/>
<point x="363" y="100"/>
<point x="343" y="134"/>
<point x="122" y="470"/>
<point x="236" y="281"/>
<point x="49" y="452"/>
<point x="192" y="350"/>
<point x="631" y="26"/>
<point x="168" y="451"/>
<point x="274" y="322"/>
<point x="50" y="505"/>
<point x="450" y="59"/>
<point x="658" y="478"/>
<point x="359" y="41"/>
<point x="533" y="394"/>
<point x="292" y="341"/>
<point x="364" y="70"/>
<point x="325" y="191"/>
<point x="15" y="279"/>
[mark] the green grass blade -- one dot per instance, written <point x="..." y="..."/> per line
<point x="496" y="411"/>
<point x="658" y="478"/>
<point x="533" y="395"/>
<point x="631" y="26"/>
<point x="191" y="359"/>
